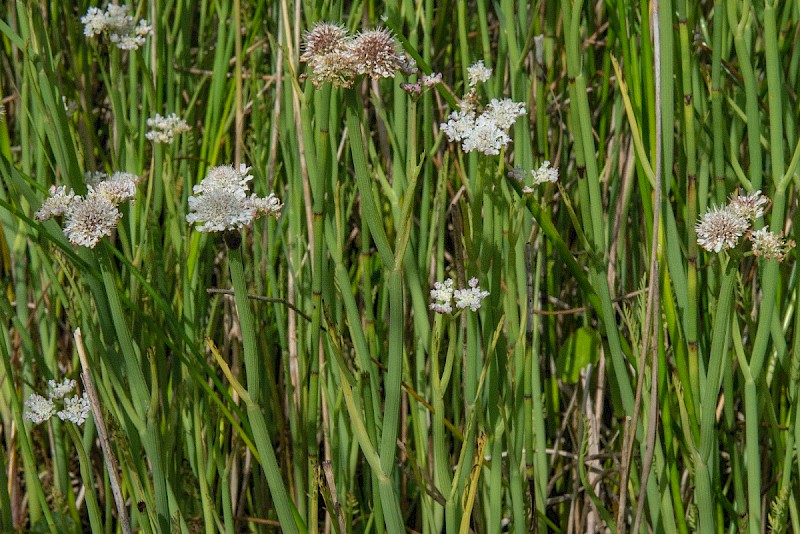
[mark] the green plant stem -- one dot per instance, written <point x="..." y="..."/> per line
<point x="719" y="344"/>
<point x="252" y="361"/>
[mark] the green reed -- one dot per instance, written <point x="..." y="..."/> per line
<point x="324" y="393"/>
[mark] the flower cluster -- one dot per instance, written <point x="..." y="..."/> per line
<point x="487" y="131"/>
<point x="721" y="227"/>
<point x="443" y="294"/>
<point x="164" y="129"/>
<point x="770" y="245"/>
<point x="220" y="201"/>
<point x="75" y="409"/>
<point x="116" y="22"/>
<point x="90" y="218"/>
<point x="338" y="58"/>
<point x="544" y="174"/>
<point x="478" y="73"/>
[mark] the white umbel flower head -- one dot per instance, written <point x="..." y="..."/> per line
<point x="39" y="409"/>
<point x="220" y="201"/>
<point x="459" y="125"/>
<point x="116" y="22"/>
<point x="470" y="297"/>
<point x="56" y="204"/>
<point x="484" y="131"/>
<point x="543" y="175"/>
<point x="89" y="219"/>
<point x="76" y="409"/>
<point x="486" y="137"/>
<point x="164" y="129"/>
<point x="720" y="229"/>
<point x="504" y="112"/>
<point x="58" y="390"/>
<point x="442" y="296"/>
<point x="477" y="73"/>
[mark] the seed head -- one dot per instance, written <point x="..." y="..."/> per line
<point x="322" y="39"/>
<point x="770" y="245"/>
<point x="720" y="228"/>
<point x="376" y="53"/>
<point x="749" y="206"/>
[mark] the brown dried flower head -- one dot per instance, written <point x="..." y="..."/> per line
<point x="324" y="38"/>
<point x="377" y="54"/>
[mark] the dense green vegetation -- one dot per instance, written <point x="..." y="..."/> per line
<point x="634" y="366"/>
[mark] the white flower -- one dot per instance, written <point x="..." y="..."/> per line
<point x="56" y="204"/>
<point x="487" y="132"/>
<point x="504" y="112"/>
<point x="90" y="219"/>
<point x="749" y="206"/>
<point x="39" y="409"/>
<point x="164" y="129"/>
<point x="442" y="295"/>
<point x="770" y="245"/>
<point x="94" y="22"/>
<point x="121" y="187"/>
<point x="121" y="28"/>
<point x="720" y="228"/>
<point x="59" y="390"/>
<point x="432" y="79"/>
<point x="477" y="73"/>
<point x="220" y="201"/>
<point x="76" y="409"/>
<point x="544" y="174"/>
<point x="470" y="297"/>
<point x="459" y="125"/>
<point x="223" y="177"/>
<point x="486" y="137"/>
